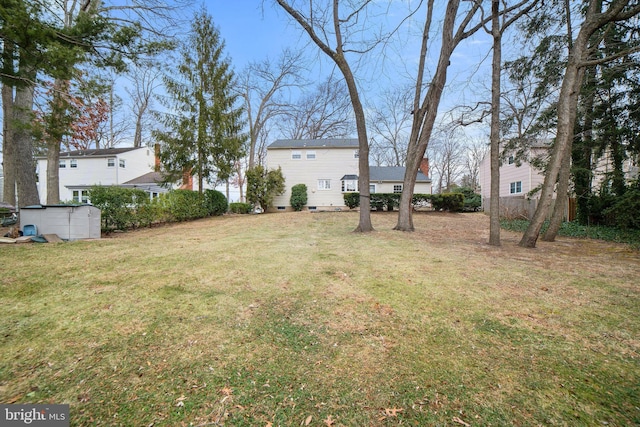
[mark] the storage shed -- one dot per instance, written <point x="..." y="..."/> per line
<point x="69" y="222"/>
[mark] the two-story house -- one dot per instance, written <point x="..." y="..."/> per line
<point x="329" y="168"/>
<point x="79" y="170"/>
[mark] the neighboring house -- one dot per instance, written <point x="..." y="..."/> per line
<point x="518" y="178"/>
<point x="517" y="175"/>
<point x="329" y="168"/>
<point x="82" y="169"/>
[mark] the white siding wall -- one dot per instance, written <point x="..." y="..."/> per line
<point x="94" y="171"/>
<point x="329" y="163"/>
<point x="387" y="187"/>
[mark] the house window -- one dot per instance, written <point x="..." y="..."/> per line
<point x="324" y="184"/>
<point x="516" y="187"/>
<point x="311" y="155"/>
<point x="372" y="188"/>
<point x="81" y="196"/>
<point x="62" y="164"/>
<point x="397" y="188"/>
<point x="296" y="155"/>
<point x="111" y="162"/>
<point x="122" y="163"/>
<point x="511" y="160"/>
<point x="349" y="185"/>
<point x="356" y="154"/>
<point x="73" y="163"/>
<point x="282" y="208"/>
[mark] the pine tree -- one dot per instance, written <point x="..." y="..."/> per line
<point x="202" y="133"/>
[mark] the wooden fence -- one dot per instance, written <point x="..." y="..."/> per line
<point x="523" y="208"/>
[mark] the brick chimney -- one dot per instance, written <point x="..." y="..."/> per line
<point x="156" y="149"/>
<point x="187" y="180"/>
<point x="424" y="166"/>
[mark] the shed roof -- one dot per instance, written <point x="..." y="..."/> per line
<point x="314" y="143"/>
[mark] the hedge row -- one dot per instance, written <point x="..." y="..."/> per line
<point x="125" y="208"/>
<point x="453" y="202"/>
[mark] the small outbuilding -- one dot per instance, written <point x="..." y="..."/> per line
<point x="69" y="222"/>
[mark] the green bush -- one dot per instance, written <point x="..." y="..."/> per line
<point x="298" y="197"/>
<point x="625" y="210"/>
<point x="183" y="205"/>
<point x="351" y="200"/>
<point x="215" y="202"/>
<point x="452" y="202"/>
<point x="240" y="208"/>
<point x="118" y="206"/>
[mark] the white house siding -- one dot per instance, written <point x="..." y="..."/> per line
<point x="329" y="163"/>
<point x="387" y="187"/>
<point x="94" y="170"/>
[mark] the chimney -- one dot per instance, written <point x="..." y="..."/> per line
<point x="156" y="149"/>
<point x="424" y="166"/>
<point x="187" y="180"/>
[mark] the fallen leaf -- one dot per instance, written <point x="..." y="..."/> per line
<point x="227" y="391"/>
<point x="269" y="424"/>
<point x="393" y="412"/>
<point x="459" y="421"/>
<point x="329" y="421"/>
<point x="308" y="420"/>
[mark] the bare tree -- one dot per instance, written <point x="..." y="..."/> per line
<point x="446" y="160"/>
<point x="264" y="87"/>
<point x="324" y="113"/>
<point x="595" y="18"/>
<point x="475" y="150"/>
<point x="425" y="108"/>
<point x="145" y="78"/>
<point x="328" y="26"/>
<point x="391" y="125"/>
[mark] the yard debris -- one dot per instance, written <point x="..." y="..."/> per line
<point x="459" y="421"/>
<point x="7" y="240"/>
<point x="24" y="239"/>
<point x="52" y="238"/>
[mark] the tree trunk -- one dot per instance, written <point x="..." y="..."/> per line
<point x="9" y="148"/>
<point x="561" y="196"/>
<point x="53" y="176"/>
<point x="494" y="204"/>
<point x="424" y="117"/>
<point x="23" y="138"/>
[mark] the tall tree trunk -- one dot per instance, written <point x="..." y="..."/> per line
<point x="562" y="196"/>
<point x="494" y="204"/>
<point x="23" y="137"/>
<point x="567" y="111"/>
<point x="583" y="150"/>
<point x="54" y="140"/>
<point x="8" y="146"/>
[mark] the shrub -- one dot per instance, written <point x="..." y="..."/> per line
<point x="452" y="202"/>
<point x="625" y="211"/>
<point x="351" y="200"/>
<point x="215" y="202"/>
<point x="183" y="205"/>
<point x="298" y="197"/>
<point x="240" y="208"/>
<point x="118" y="206"/>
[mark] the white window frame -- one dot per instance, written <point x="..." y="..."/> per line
<point x="324" y="184"/>
<point x="352" y="188"/>
<point x="111" y="162"/>
<point x="122" y="163"/>
<point x="356" y="154"/>
<point x="62" y="164"/>
<point x="311" y="155"/>
<point x="511" y="160"/>
<point x="80" y="196"/>
<point x="73" y="163"/>
<point x="296" y="155"/>
<point x="397" y="188"/>
<point x="515" y="187"/>
<point x="372" y="188"/>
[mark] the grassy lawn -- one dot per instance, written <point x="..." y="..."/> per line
<point x="290" y="319"/>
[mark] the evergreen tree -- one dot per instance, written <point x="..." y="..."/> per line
<point x="202" y="133"/>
